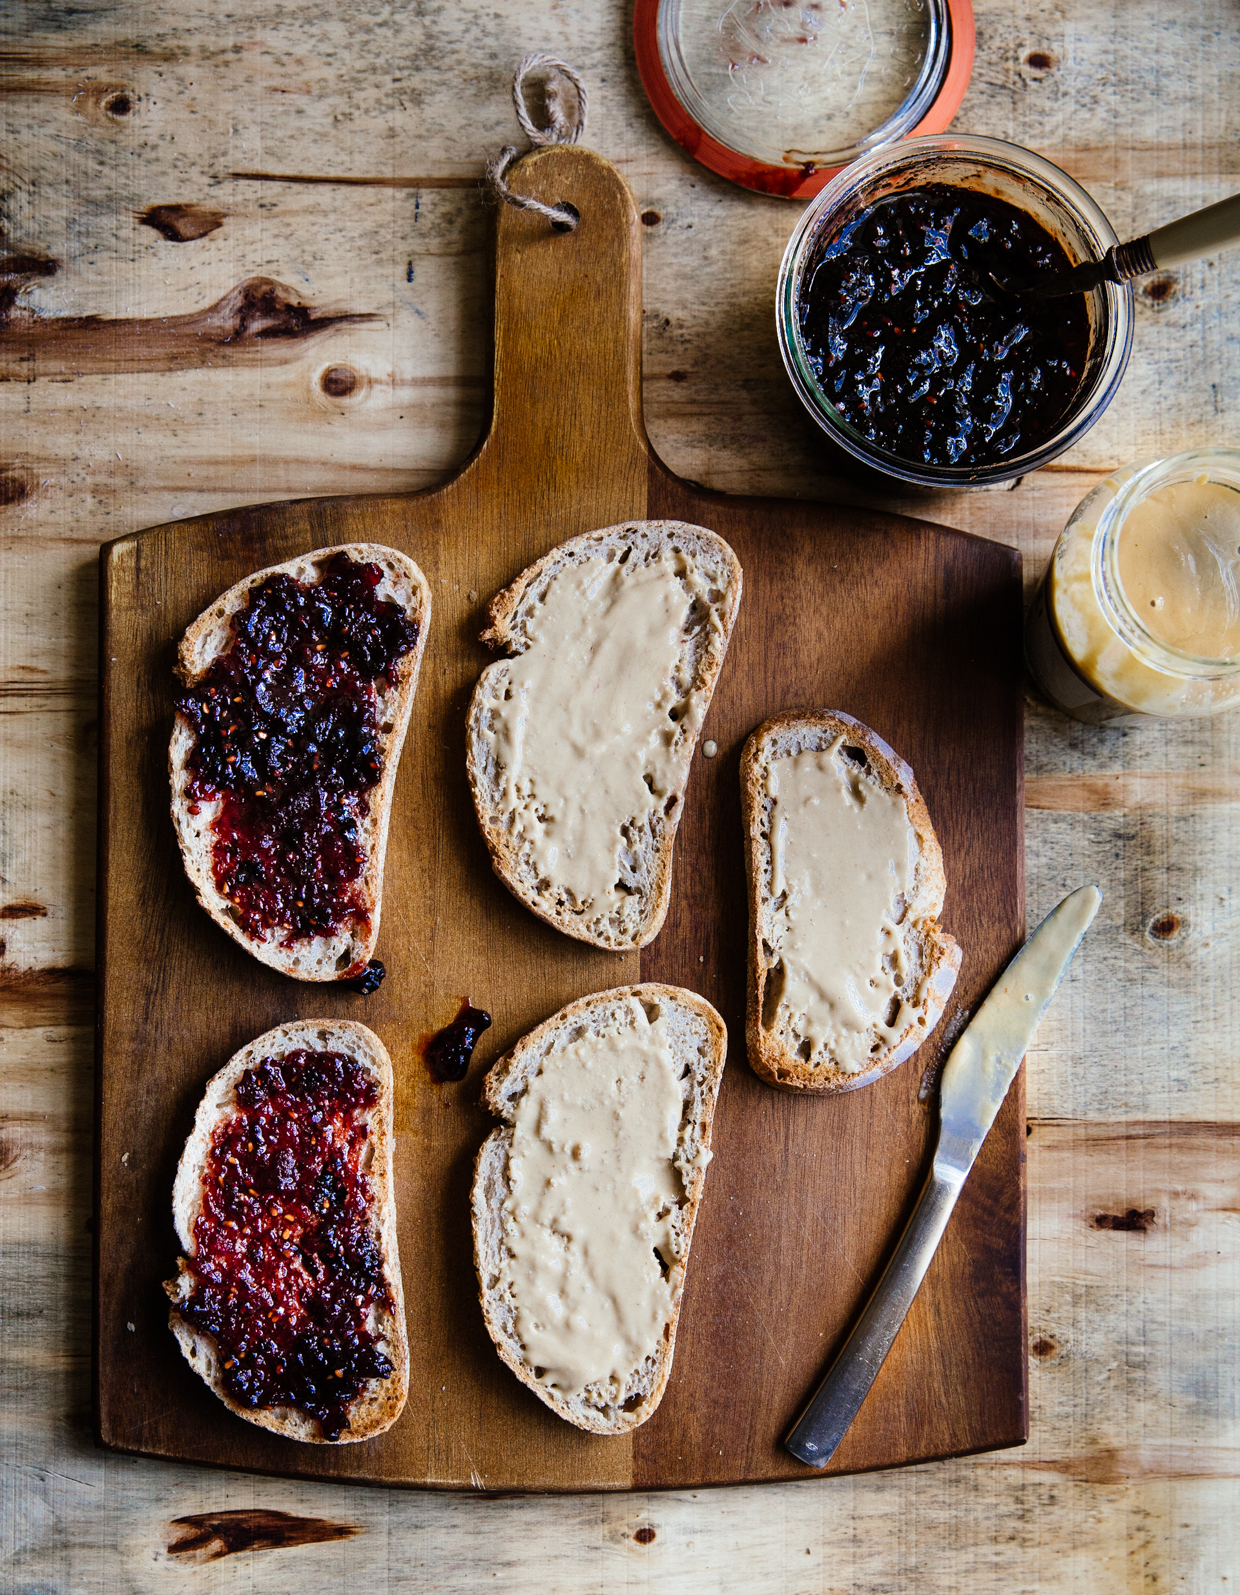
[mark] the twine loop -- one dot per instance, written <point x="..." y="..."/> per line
<point x="566" y="122"/>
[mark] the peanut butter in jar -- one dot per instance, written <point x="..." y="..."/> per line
<point x="1138" y="614"/>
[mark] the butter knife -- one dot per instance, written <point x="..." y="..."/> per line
<point x="976" y="1077"/>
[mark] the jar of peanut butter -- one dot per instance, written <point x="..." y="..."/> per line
<point x="1139" y="611"/>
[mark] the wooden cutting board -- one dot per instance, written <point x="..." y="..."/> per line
<point x="911" y="627"/>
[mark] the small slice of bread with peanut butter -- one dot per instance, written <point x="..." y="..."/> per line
<point x="584" y="1201"/>
<point x="579" y="743"/>
<point x="849" y="970"/>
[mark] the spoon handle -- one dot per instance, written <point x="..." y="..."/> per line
<point x="1216" y="227"/>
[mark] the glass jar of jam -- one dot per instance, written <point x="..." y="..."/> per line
<point x="901" y="330"/>
<point x="1138" y="614"/>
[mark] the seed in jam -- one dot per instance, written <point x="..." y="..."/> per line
<point x="288" y="741"/>
<point x="920" y="350"/>
<point x="287" y="1268"/>
<point x="449" y="1051"/>
<point x="370" y="979"/>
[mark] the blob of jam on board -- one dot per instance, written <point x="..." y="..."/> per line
<point x="370" y="979"/>
<point x="449" y="1050"/>
<point x="287" y="1271"/>
<point x="917" y="346"/>
<point x="288" y="742"/>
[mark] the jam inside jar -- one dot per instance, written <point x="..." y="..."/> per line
<point x="913" y="334"/>
<point x="1076" y="347"/>
<point x="287" y="1269"/>
<point x="287" y="740"/>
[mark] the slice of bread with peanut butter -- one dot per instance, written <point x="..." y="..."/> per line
<point x="849" y="970"/>
<point x="579" y="743"/>
<point x="584" y="1201"/>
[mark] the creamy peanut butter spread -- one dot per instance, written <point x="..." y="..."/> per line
<point x="593" y="1187"/>
<point x="842" y="863"/>
<point x="1178" y="566"/>
<point x="1179" y="559"/>
<point x="586" y="735"/>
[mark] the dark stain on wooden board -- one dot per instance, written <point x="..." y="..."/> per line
<point x="182" y="224"/>
<point x="260" y="321"/>
<point x="210" y="1536"/>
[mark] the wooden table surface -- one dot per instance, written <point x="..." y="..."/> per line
<point x="146" y="376"/>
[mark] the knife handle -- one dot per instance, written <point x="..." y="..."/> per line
<point x="818" y="1431"/>
<point x="1216" y="227"/>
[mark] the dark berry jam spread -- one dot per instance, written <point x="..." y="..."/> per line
<point x="288" y="738"/>
<point x="920" y="350"/>
<point x="287" y="1263"/>
<point x="448" y="1051"/>
<point x="370" y="979"/>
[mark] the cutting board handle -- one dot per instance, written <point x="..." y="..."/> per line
<point x="568" y="311"/>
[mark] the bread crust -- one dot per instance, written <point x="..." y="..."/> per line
<point x="812" y="731"/>
<point x="506" y="611"/>
<point x="380" y="1402"/>
<point x="346" y="953"/>
<point x="700" y="1042"/>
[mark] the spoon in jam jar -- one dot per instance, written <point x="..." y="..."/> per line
<point x="1216" y="227"/>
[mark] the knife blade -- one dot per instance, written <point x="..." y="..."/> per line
<point x="976" y="1077"/>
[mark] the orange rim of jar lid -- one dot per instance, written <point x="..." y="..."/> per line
<point x="788" y="182"/>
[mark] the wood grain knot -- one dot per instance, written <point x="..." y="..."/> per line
<point x="17" y="272"/>
<point x="104" y="104"/>
<point x="1166" y="927"/>
<point x="1136" y="1221"/>
<point x="32" y="999"/>
<point x="651" y="218"/>
<point x="242" y="327"/>
<point x="338" y="382"/>
<point x="1038" y="64"/>
<point x="10" y="1156"/>
<point x="678" y="376"/>
<point x="209" y="1536"/>
<point x="1045" y="1348"/>
<point x="28" y="264"/>
<point x="1159" y="291"/>
<point x="25" y="909"/>
<point x="15" y="488"/>
<point x="182" y="224"/>
<point x="645" y="1535"/>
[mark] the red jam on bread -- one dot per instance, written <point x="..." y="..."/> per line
<point x="287" y="1267"/>
<point x="287" y="739"/>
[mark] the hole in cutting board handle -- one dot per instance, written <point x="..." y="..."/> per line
<point x="566" y="227"/>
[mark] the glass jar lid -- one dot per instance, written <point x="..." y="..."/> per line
<point x="778" y="95"/>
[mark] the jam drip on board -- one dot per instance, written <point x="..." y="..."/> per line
<point x="370" y="979"/>
<point x="920" y="351"/>
<point x="449" y="1050"/>
<point x="288" y="740"/>
<point x="287" y="1266"/>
